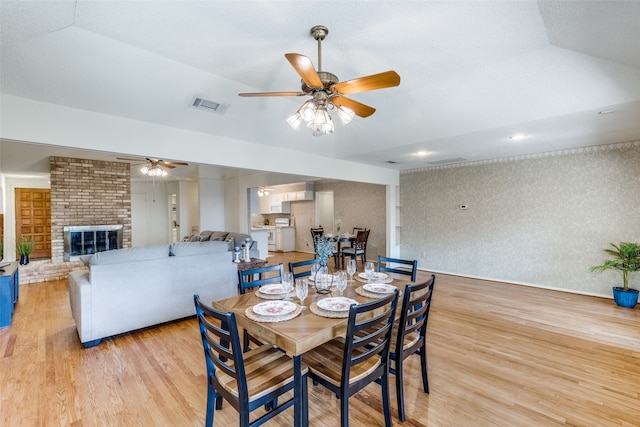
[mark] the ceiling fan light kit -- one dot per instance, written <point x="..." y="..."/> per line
<point x="326" y="91"/>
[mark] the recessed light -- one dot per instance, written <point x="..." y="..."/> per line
<point x="607" y="111"/>
<point x="420" y="153"/>
<point x="518" y="137"/>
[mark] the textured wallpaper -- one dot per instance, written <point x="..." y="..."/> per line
<point x="542" y="220"/>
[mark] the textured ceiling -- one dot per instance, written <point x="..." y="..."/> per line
<point x="473" y="73"/>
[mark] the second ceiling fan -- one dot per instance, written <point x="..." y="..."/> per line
<point x="327" y="92"/>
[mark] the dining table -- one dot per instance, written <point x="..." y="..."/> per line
<point x="306" y="330"/>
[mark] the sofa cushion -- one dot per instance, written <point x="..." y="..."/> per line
<point x="197" y="248"/>
<point x="218" y="235"/>
<point x="143" y="253"/>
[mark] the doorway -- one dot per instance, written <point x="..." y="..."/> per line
<point x="33" y="219"/>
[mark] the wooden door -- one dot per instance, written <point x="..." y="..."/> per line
<point x="33" y="219"/>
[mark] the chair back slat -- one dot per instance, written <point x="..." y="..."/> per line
<point x="222" y="349"/>
<point x="410" y="270"/>
<point x="369" y="333"/>
<point x="245" y="277"/>
<point x="414" y="312"/>
<point x="302" y="268"/>
<point x="361" y="239"/>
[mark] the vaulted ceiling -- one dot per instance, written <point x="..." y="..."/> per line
<point x="473" y="73"/>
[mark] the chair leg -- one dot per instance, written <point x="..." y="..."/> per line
<point x="386" y="405"/>
<point x="344" y="411"/>
<point x="424" y="367"/>
<point x="400" y="388"/>
<point x="211" y="399"/>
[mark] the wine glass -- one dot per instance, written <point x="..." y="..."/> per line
<point x="352" y="266"/>
<point x="302" y="290"/>
<point x="314" y="270"/>
<point x="341" y="281"/>
<point x="287" y="284"/>
<point x="368" y="270"/>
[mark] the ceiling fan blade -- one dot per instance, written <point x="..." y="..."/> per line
<point x="165" y="163"/>
<point x="130" y="159"/>
<point x="360" y="109"/>
<point x="273" y="94"/>
<point x="305" y="69"/>
<point x="372" y="82"/>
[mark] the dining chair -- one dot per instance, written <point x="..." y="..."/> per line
<point x="302" y="268"/>
<point x="411" y="269"/>
<point x="409" y="335"/>
<point x="246" y="281"/>
<point x="318" y="233"/>
<point x="247" y="380"/>
<point x="346" y="365"/>
<point x="358" y="248"/>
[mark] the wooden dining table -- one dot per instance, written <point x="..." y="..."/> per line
<point x="300" y="334"/>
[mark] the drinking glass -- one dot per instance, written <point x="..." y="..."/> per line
<point x="341" y="281"/>
<point x="314" y="270"/>
<point x="352" y="267"/>
<point x="368" y="270"/>
<point x="287" y="284"/>
<point x="302" y="290"/>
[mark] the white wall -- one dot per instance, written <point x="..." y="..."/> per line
<point x="212" y="204"/>
<point x="540" y="221"/>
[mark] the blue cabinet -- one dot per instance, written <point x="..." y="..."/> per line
<point x="8" y="292"/>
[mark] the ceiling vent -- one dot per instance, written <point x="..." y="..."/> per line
<point x="391" y="162"/>
<point x="205" y="104"/>
<point x="447" y="161"/>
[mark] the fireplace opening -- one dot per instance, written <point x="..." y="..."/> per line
<point x="90" y="239"/>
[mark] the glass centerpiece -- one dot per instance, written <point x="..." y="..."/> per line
<point x="323" y="276"/>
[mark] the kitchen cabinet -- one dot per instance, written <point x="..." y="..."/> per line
<point x="264" y="203"/>
<point x="280" y="207"/>
<point x="285" y="239"/>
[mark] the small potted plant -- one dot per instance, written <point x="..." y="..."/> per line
<point x="626" y="259"/>
<point x="24" y="247"/>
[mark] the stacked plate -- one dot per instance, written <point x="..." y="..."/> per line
<point x="375" y="276"/>
<point x="336" y="304"/>
<point x="274" y="308"/>
<point x="274" y="291"/>
<point x="379" y="288"/>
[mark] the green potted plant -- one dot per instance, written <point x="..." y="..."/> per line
<point x="24" y="247"/>
<point x="625" y="258"/>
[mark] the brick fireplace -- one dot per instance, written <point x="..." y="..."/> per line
<point x="88" y="193"/>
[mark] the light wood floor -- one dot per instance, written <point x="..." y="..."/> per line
<point x="499" y="355"/>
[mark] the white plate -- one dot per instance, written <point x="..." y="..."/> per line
<point x="274" y="308"/>
<point x="375" y="276"/>
<point x="336" y="303"/>
<point x="275" y="289"/>
<point x="379" y="288"/>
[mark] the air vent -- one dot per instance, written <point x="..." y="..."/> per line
<point x="447" y="161"/>
<point x="391" y="162"/>
<point x="205" y="104"/>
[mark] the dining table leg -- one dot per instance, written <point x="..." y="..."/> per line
<point x="300" y="413"/>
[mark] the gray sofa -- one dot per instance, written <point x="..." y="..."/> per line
<point x="232" y="239"/>
<point x="128" y="289"/>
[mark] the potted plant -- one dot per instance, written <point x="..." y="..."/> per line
<point x="626" y="259"/>
<point x="24" y="247"/>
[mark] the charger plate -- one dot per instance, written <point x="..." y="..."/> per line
<point x="258" y="318"/>
<point x="325" y="313"/>
<point x="387" y="279"/>
<point x="363" y="292"/>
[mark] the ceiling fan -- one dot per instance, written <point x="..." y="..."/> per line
<point x="154" y="167"/>
<point x="327" y="92"/>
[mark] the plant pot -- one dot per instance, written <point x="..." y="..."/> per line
<point x="627" y="299"/>
<point x="24" y="259"/>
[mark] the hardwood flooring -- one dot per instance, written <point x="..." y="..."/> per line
<point x="499" y="355"/>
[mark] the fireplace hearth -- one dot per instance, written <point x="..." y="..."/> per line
<point x="90" y="239"/>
